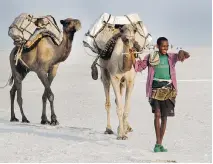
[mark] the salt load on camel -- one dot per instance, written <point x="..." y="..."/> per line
<point x="102" y="35"/>
<point x="27" y="30"/>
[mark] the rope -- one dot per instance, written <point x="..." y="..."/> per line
<point x="89" y="54"/>
<point x="100" y="65"/>
<point x="95" y="61"/>
<point x="18" y="57"/>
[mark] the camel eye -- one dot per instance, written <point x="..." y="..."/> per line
<point x="66" y="23"/>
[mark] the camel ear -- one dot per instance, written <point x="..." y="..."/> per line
<point x="62" y="22"/>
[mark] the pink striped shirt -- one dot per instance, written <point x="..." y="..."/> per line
<point x="142" y="64"/>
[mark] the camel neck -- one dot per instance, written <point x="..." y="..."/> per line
<point x="126" y="48"/>
<point x="67" y="40"/>
<point x="66" y="45"/>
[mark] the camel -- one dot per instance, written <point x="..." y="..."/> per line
<point x="43" y="59"/>
<point x="115" y="72"/>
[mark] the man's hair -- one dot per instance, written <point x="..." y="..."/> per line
<point x="160" y="40"/>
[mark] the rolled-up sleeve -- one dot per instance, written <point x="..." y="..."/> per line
<point x="141" y="65"/>
<point x="174" y="57"/>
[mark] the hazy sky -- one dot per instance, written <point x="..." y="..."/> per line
<point x="183" y="22"/>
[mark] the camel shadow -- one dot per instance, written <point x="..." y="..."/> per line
<point x="68" y="133"/>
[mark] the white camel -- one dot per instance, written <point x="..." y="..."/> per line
<point x="119" y="73"/>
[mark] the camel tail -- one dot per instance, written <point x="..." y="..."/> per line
<point x="9" y="82"/>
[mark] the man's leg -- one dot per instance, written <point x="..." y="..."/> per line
<point x="163" y="127"/>
<point x="157" y="126"/>
<point x="157" y="130"/>
<point x="165" y="111"/>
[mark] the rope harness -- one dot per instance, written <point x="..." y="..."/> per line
<point x="107" y="52"/>
<point x="18" y="57"/>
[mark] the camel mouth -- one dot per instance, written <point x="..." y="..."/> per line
<point x="77" y="25"/>
<point x="128" y="41"/>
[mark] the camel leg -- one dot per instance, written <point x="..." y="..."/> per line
<point x="44" y="79"/>
<point x="106" y="83"/>
<point x="116" y="86"/>
<point x="129" y="88"/>
<point x="18" y="85"/>
<point x="122" y="87"/>
<point x="18" y="75"/>
<point x="51" y="75"/>
<point x="12" y="98"/>
<point x="44" y="119"/>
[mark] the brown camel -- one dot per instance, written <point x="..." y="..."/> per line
<point x="44" y="60"/>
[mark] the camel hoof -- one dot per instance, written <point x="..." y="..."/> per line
<point x="24" y="120"/>
<point x="45" y="122"/>
<point x="14" y="119"/>
<point x="108" y="131"/>
<point x="122" y="138"/>
<point x="54" y="123"/>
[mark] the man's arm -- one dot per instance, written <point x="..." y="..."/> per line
<point x="141" y="65"/>
<point x="180" y="56"/>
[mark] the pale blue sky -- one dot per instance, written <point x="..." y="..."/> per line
<point x="183" y="22"/>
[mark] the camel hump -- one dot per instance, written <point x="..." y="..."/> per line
<point x="28" y="30"/>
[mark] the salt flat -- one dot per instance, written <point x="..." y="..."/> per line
<point x="79" y="106"/>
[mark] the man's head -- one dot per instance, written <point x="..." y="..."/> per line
<point x="163" y="45"/>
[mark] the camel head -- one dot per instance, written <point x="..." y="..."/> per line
<point x="71" y="25"/>
<point x="128" y="38"/>
<point x="128" y="35"/>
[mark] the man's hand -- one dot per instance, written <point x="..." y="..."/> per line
<point x="182" y="55"/>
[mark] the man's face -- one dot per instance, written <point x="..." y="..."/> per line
<point x="163" y="48"/>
